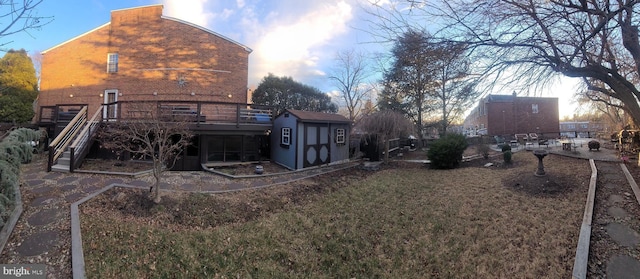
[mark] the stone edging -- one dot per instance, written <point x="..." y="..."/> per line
<point x="634" y="185"/>
<point x="8" y="227"/>
<point x="582" y="250"/>
<point x="77" y="253"/>
<point x="134" y="174"/>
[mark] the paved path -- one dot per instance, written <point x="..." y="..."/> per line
<point x="613" y="217"/>
<point x="615" y="224"/>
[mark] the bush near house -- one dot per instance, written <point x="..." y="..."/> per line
<point x="15" y="149"/>
<point x="446" y="152"/>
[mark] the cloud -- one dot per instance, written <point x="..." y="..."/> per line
<point x="292" y="46"/>
<point x="193" y="11"/>
<point x="288" y="37"/>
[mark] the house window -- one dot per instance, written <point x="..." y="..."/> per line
<point x="534" y="108"/>
<point x="285" y="139"/>
<point x="340" y="137"/>
<point x="112" y="63"/>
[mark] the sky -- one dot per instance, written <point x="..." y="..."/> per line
<point x="296" y="38"/>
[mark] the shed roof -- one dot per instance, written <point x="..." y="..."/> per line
<point x="313" y="116"/>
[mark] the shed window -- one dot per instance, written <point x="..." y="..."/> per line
<point x="340" y="136"/>
<point x="112" y="63"/>
<point x="285" y="138"/>
<point x="534" y="108"/>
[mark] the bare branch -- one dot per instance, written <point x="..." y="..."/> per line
<point x="20" y="16"/>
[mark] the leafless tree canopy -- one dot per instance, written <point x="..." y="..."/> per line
<point x="150" y="132"/>
<point x="20" y="16"/>
<point x="428" y="80"/>
<point x="350" y="75"/>
<point x="530" y="41"/>
<point x="386" y="124"/>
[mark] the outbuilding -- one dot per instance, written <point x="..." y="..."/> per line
<point x="302" y="139"/>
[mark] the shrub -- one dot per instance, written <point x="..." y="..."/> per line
<point x="484" y="150"/>
<point x="507" y="157"/>
<point x="446" y="153"/>
<point x="506" y="147"/>
<point x="594" y="144"/>
<point x="16" y="148"/>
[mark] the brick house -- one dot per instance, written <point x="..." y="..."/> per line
<point x="507" y="115"/>
<point x="143" y="56"/>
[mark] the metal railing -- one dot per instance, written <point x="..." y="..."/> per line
<point x="60" y="143"/>
<point x="80" y="146"/>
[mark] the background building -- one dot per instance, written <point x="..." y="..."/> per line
<point x="507" y="115"/>
<point x="583" y="129"/>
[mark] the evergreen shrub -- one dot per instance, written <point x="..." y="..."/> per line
<point x="446" y="152"/>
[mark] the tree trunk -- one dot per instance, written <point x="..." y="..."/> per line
<point x="157" y="174"/>
<point x="156" y="192"/>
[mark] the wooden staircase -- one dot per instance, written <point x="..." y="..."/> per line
<point x="63" y="164"/>
<point x="69" y="148"/>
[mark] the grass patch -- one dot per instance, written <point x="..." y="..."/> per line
<point x="398" y="223"/>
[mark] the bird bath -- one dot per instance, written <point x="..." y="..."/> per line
<point x="540" y="154"/>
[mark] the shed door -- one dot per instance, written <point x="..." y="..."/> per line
<point x="316" y="145"/>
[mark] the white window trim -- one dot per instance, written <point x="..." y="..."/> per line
<point x="340" y="136"/>
<point x="109" y="63"/>
<point x="285" y="138"/>
<point x="113" y="108"/>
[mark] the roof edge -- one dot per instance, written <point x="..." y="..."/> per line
<point x="138" y="7"/>
<point x="248" y="49"/>
<point x="76" y="37"/>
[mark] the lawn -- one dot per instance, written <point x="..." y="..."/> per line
<point x="400" y="222"/>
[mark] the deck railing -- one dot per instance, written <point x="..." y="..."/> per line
<point x="198" y="112"/>
<point x="52" y="114"/>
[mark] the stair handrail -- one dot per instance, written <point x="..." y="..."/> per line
<point x="60" y="143"/>
<point x="80" y="144"/>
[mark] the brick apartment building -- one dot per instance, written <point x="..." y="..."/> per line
<point x="507" y="115"/>
<point x="141" y="55"/>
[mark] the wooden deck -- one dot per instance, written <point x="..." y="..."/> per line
<point x="201" y="116"/>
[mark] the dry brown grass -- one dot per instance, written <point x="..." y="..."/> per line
<point x="399" y="222"/>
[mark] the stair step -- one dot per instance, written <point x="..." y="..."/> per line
<point x="59" y="168"/>
<point x="64" y="161"/>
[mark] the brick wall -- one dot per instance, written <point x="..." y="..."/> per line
<point x="509" y="115"/>
<point x="155" y="53"/>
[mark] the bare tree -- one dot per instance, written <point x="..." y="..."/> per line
<point x="349" y="76"/>
<point x="531" y="41"/>
<point x="410" y="79"/>
<point x="386" y="125"/>
<point x="455" y="89"/>
<point x="152" y="132"/>
<point x="20" y="16"/>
